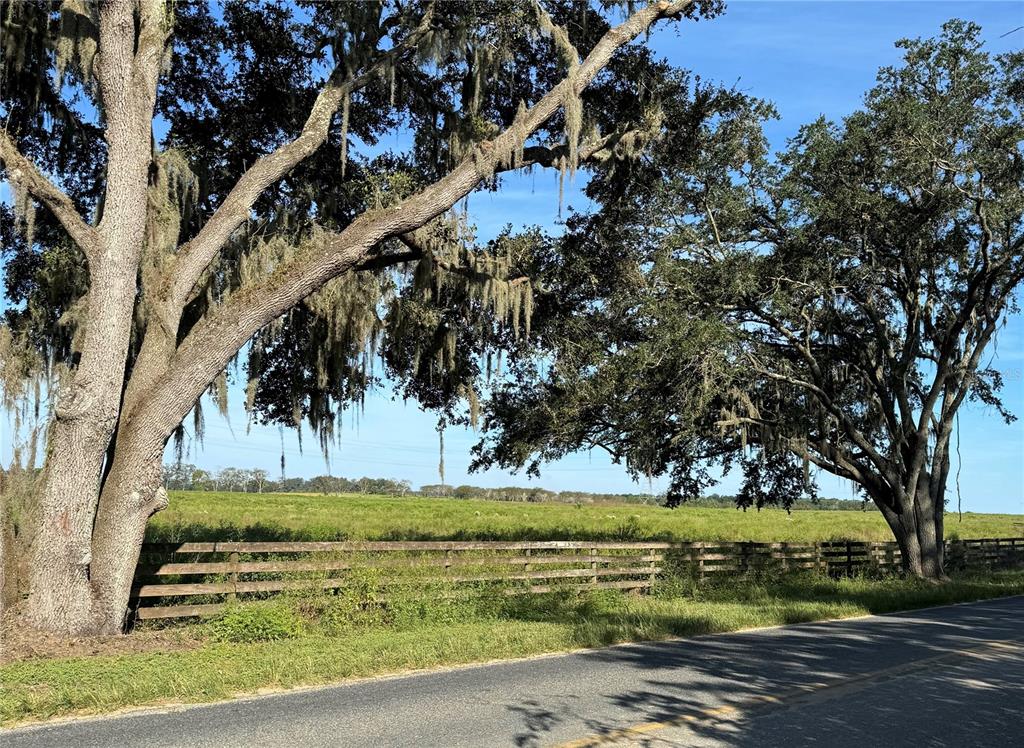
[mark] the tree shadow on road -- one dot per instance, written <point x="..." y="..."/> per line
<point x="717" y="687"/>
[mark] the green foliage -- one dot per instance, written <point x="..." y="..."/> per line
<point x="241" y="80"/>
<point x="825" y="309"/>
<point x="619" y="359"/>
<point x="255" y="622"/>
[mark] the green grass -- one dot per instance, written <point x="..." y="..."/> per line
<point x="237" y="516"/>
<point x="297" y="640"/>
<point x="310" y="645"/>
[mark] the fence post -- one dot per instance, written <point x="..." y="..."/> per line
<point x="817" y="558"/>
<point x="785" y="557"/>
<point x="526" y="566"/>
<point x="233" y="560"/>
<point x="829" y="556"/>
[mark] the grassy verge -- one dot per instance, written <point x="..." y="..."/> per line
<point x="310" y="641"/>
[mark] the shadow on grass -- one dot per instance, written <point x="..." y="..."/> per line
<point x="709" y="608"/>
<point x="602" y="691"/>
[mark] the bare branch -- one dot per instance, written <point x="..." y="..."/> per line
<point x="24" y="173"/>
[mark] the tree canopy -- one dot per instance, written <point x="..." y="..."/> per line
<point x="217" y="202"/>
<point x="241" y="80"/>
<point x="828" y="307"/>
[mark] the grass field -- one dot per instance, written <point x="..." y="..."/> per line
<point x="308" y="638"/>
<point x="305" y="644"/>
<point x="238" y="516"/>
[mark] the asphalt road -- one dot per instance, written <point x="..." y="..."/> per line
<point x="951" y="676"/>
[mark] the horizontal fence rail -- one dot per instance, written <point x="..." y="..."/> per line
<point x="176" y="580"/>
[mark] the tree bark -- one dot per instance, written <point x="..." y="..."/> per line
<point x="131" y="495"/>
<point x="95" y="500"/>
<point x="61" y="594"/>
<point x="917" y="527"/>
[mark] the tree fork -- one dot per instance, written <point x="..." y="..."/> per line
<point x="91" y="534"/>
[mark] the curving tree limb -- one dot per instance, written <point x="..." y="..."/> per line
<point x="194" y="256"/>
<point x="25" y="173"/>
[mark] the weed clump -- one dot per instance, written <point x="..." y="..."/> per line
<point x="255" y="622"/>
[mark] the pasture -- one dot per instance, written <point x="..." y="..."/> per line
<point x="307" y="637"/>
<point x="197" y="515"/>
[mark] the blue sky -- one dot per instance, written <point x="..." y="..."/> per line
<point x="811" y="58"/>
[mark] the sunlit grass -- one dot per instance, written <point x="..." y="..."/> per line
<point x="446" y="632"/>
<point x="231" y="516"/>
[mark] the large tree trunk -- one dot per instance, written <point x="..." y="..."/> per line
<point x="62" y="593"/>
<point x="60" y="596"/>
<point x="82" y="570"/>
<point x="131" y="495"/>
<point x="917" y="527"/>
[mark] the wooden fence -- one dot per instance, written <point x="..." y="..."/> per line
<point x="166" y="585"/>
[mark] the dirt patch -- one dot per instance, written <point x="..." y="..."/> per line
<point x="19" y="641"/>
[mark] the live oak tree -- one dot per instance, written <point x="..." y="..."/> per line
<point x="192" y="182"/>
<point x="831" y="308"/>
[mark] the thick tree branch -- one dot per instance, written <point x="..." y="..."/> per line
<point x="899" y="364"/>
<point x="826" y="454"/>
<point x="379" y="262"/>
<point x="194" y="256"/>
<point x="818" y="389"/>
<point x="215" y="339"/>
<point x="881" y="463"/>
<point x="979" y="292"/>
<point x="24" y="173"/>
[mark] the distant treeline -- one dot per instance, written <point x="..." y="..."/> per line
<point x="186" y="477"/>
<point x="518" y="493"/>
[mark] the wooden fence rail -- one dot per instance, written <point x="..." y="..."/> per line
<point x="189" y="579"/>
